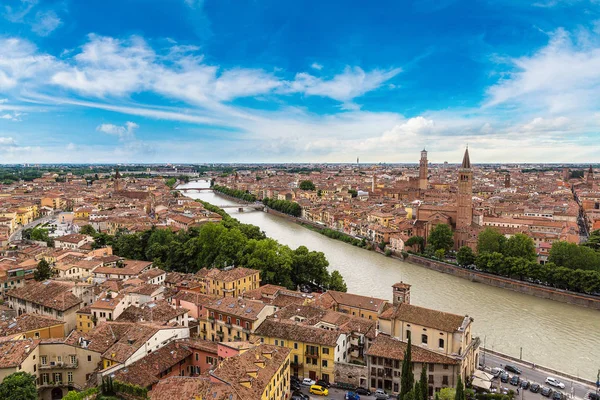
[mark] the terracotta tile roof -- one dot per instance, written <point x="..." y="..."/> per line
<point x="229" y="275"/>
<point x="355" y="300"/>
<point x="146" y="372"/>
<point x="188" y="388"/>
<point x="424" y="316"/>
<point x="247" y="309"/>
<point x="73" y="238"/>
<point x="290" y="330"/>
<point x="263" y="360"/>
<point x="25" y="323"/>
<point x="196" y="298"/>
<point x="49" y="294"/>
<point x="14" y="352"/>
<point x="387" y="347"/>
<point x="200" y="344"/>
<point x="158" y="312"/>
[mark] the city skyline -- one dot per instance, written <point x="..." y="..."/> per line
<point x="190" y="81"/>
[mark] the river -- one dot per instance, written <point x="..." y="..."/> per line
<point x="557" y="335"/>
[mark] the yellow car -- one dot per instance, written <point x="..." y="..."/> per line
<point x="319" y="390"/>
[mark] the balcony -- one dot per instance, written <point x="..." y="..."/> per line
<point x="296" y="364"/>
<point x="309" y="354"/>
<point x="59" y="365"/>
<point x="45" y="385"/>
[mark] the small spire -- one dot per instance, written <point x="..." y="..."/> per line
<point x="591" y="171"/>
<point x="466" y="163"/>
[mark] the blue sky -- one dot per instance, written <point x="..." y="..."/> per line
<point x="310" y="81"/>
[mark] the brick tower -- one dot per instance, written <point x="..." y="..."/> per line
<point x="401" y="293"/>
<point x="423" y="170"/>
<point x="590" y="177"/>
<point x="465" y="194"/>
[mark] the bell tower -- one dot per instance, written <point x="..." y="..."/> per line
<point x="117" y="180"/>
<point x="590" y="177"/>
<point x="465" y="194"/>
<point x="423" y="164"/>
<point x="401" y="293"/>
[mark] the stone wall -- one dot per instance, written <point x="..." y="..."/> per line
<point x="563" y="296"/>
<point x="356" y="375"/>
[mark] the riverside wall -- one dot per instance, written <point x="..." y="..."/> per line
<point x="562" y="296"/>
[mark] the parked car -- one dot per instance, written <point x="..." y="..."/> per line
<point x="496" y="372"/>
<point x="294" y="386"/>
<point x="319" y="390"/>
<point x="555" y="382"/>
<point x="300" y="396"/>
<point x="557" y="395"/>
<point x="512" y="368"/>
<point x="308" y="382"/>
<point x="294" y="379"/>
<point x="524" y="384"/>
<point x="504" y="377"/>
<point x="323" y="383"/>
<point x="352" y="396"/>
<point x="381" y="395"/>
<point x="367" y="392"/>
<point x="535" y="388"/>
<point x="514" y="380"/>
<point x="546" y="391"/>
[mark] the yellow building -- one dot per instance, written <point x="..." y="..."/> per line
<point x="32" y="326"/>
<point x="230" y="282"/>
<point x="381" y="218"/>
<point x="262" y="372"/>
<point x="84" y="320"/>
<point x="313" y="351"/>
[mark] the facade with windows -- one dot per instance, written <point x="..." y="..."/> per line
<point x="384" y="363"/>
<point x="233" y="319"/>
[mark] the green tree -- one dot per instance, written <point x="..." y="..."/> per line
<point x="407" y="378"/>
<point x="43" y="271"/>
<point x="423" y="383"/>
<point x="490" y="241"/>
<point x="441" y="237"/>
<point x="18" y="386"/>
<point x="353" y="192"/>
<point x="593" y="241"/>
<point x="310" y="267"/>
<point x="460" y="389"/>
<point x="87" y="230"/>
<point x="465" y="256"/>
<point x="572" y="256"/>
<point x="416" y="242"/>
<point x="440" y="254"/>
<point x="520" y="245"/>
<point x="336" y="282"/>
<point x="307" y="185"/>
<point x="417" y="391"/>
<point x="447" y="394"/>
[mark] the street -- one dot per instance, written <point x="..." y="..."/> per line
<point x="334" y="394"/>
<point x="16" y="235"/>
<point x="579" y="390"/>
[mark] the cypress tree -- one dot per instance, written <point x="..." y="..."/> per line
<point x="423" y="383"/>
<point x="417" y="391"/>
<point x="407" y="379"/>
<point x="460" y="390"/>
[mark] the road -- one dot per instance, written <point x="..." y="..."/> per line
<point x="16" y="236"/>
<point x="334" y="394"/>
<point x="579" y="390"/>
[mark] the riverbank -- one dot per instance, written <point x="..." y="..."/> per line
<point x="531" y="289"/>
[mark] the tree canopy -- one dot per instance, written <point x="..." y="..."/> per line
<point x="490" y="241"/>
<point x="307" y="185"/>
<point x="18" y="386"/>
<point x="441" y="238"/>
<point x="520" y="245"/>
<point x="228" y="243"/>
<point x="43" y="271"/>
<point x="465" y="256"/>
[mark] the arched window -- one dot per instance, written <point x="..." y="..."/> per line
<point x="424" y="339"/>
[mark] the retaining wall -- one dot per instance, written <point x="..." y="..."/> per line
<point x="562" y="296"/>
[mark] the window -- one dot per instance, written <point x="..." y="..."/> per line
<point x="445" y="380"/>
<point x="430" y="381"/>
<point x="445" y="366"/>
<point x="72" y="359"/>
<point x="276" y="342"/>
<point x="237" y="321"/>
<point x="89" y="358"/>
<point x="58" y="377"/>
<point x="423" y="339"/>
<point x="324" y="364"/>
<point x="431" y="367"/>
<point x="37" y="335"/>
<point x="45" y="379"/>
<point x="407" y="334"/>
<point x="296" y="346"/>
<point x="441" y="343"/>
<point x="44" y="360"/>
<point x="325" y="350"/>
<point x="69" y="377"/>
<point x="396" y="388"/>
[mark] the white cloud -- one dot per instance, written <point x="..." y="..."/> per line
<point x="125" y="132"/>
<point x="316" y="66"/>
<point x="7" y="141"/>
<point x="564" y="75"/>
<point x="539" y="124"/>
<point x="15" y="116"/>
<point x="45" y="22"/>
<point x="17" y="14"/>
<point x="20" y="64"/>
<point x="350" y="84"/>
<point x="71" y="147"/>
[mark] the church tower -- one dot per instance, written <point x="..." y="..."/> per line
<point x="117" y="180"/>
<point x="465" y="194"/>
<point x="423" y="170"/>
<point x="590" y="177"/>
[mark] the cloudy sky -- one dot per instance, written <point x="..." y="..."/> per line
<point x="299" y="81"/>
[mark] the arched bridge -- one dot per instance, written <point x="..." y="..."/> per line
<point x="240" y="207"/>
<point x="185" y="189"/>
